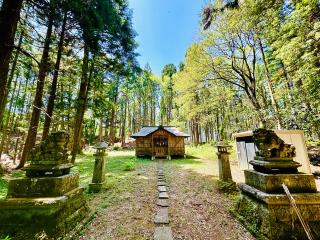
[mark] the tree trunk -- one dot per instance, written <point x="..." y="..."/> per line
<point x="113" y="117"/>
<point x="37" y="103"/>
<point x="6" y="130"/>
<point x="52" y="97"/>
<point x="270" y="88"/>
<point x="123" y="131"/>
<point x="11" y="76"/>
<point x="9" y="17"/>
<point x="81" y="103"/>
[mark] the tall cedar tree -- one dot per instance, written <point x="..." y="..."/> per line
<point x="104" y="24"/>
<point x="9" y="17"/>
<point x="37" y="103"/>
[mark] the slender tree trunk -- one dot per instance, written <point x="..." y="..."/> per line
<point x="81" y="103"/>
<point x="113" y="117"/>
<point x="270" y="88"/>
<point x="53" y="90"/>
<point x="10" y="125"/>
<point x="101" y="129"/>
<point x="123" y="132"/>
<point x="9" y="17"/>
<point x="6" y="121"/>
<point x="37" y="104"/>
<point x="11" y="76"/>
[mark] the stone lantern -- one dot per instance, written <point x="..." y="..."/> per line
<point x="224" y="164"/>
<point x="98" y="177"/>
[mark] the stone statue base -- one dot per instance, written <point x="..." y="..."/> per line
<point x="272" y="183"/>
<point x="47" y="206"/>
<point x="265" y="209"/>
<point x="274" y="165"/>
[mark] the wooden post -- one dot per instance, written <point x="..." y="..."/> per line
<point x="152" y="148"/>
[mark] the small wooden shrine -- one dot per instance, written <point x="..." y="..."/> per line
<point x="160" y="141"/>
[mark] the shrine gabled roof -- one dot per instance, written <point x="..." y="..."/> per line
<point x="145" y="131"/>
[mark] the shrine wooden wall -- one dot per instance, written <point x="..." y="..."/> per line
<point x="176" y="145"/>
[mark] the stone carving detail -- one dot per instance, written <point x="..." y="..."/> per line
<point x="50" y="157"/>
<point x="273" y="154"/>
<point x="271" y="146"/>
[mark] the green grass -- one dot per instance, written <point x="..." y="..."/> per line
<point x="120" y="175"/>
<point x="208" y="151"/>
<point x="115" y="165"/>
<point x="3" y="187"/>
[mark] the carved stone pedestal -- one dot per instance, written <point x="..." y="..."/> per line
<point x="48" y="202"/>
<point x="272" y="217"/>
<point x="47" y="217"/>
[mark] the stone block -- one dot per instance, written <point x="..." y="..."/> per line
<point x="163" y="203"/>
<point x="43" y="186"/>
<point x="95" y="187"/>
<point x="53" y="217"/>
<point x="162" y="216"/>
<point x="161" y="183"/>
<point x="163" y="195"/>
<point x="162" y="189"/>
<point x="272" y="183"/>
<point x="163" y="233"/>
<point x="272" y="217"/>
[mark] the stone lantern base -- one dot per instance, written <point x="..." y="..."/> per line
<point x="265" y="209"/>
<point x="44" y="206"/>
<point x="95" y="187"/>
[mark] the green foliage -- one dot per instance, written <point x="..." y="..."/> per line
<point x="116" y="148"/>
<point x="3" y="187"/>
<point x="6" y="238"/>
<point x="228" y="187"/>
<point x="129" y="166"/>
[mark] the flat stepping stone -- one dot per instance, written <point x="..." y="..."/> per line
<point x="161" y="183"/>
<point x="163" y="195"/>
<point x="163" y="233"/>
<point x="163" y="203"/>
<point x="162" y="189"/>
<point x="162" y="216"/>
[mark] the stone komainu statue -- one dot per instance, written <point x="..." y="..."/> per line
<point x="269" y="145"/>
<point x="50" y="157"/>
<point x="54" y="148"/>
<point x="273" y="155"/>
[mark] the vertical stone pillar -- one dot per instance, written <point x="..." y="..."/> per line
<point x="98" y="177"/>
<point x="223" y="161"/>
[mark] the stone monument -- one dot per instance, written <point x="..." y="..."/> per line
<point x="263" y="205"/>
<point x="48" y="202"/>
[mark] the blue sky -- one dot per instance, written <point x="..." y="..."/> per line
<point x="165" y="29"/>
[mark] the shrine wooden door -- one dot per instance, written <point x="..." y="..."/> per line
<point x="160" y="144"/>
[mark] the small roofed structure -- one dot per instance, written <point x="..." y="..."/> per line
<point x="160" y="141"/>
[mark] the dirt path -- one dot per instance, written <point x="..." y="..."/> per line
<point x="198" y="211"/>
<point x="128" y="214"/>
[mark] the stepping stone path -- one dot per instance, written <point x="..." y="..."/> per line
<point x="162" y="230"/>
